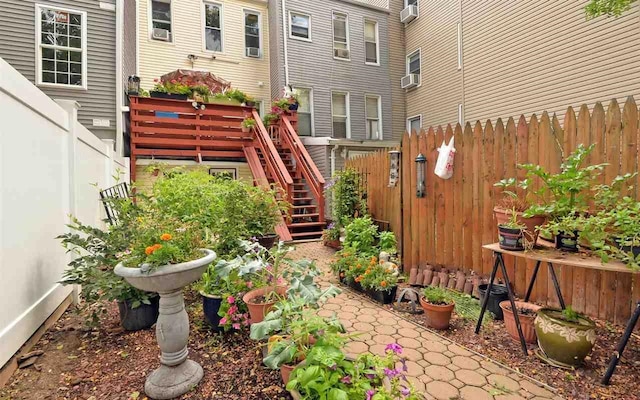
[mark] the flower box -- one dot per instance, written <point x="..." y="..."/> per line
<point x="383" y="296"/>
<point x="356" y="286"/>
<point x="163" y="95"/>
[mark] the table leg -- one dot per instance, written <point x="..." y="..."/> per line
<point x="513" y="305"/>
<point x="532" y="281"/>
<point x="621" y="345"/>
<point x="554" y="278"/>
<point x="498" y="257"/>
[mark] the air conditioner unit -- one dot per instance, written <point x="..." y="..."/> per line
<point x="409" y="13"/>
<point x="410" y="81"/>
<point x="161" y="34"/>
<point x="341" y="53"/>
<point x="253" y="52"/>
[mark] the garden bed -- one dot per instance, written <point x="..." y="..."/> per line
<point x="107" y="363"/>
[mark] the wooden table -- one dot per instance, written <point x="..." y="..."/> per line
<point x="550" y="256"/>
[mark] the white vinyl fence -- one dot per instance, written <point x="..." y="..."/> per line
<point x="50" y="167"/>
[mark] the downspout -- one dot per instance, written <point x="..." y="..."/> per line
<point x="333" y="159"/>
<point x="284" y="42"/>
<point x="119" y="80"/>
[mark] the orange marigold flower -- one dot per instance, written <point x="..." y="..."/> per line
<point x="383" y="283"/>
<point x="156" y="247"/>
<point x="165" y="236"/>
<point x="149" y="250"/>
<point x="368" y="271"/>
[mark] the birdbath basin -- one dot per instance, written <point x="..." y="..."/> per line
<point x="176" y="375"/>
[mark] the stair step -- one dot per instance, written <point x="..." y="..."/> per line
<point x="309" y="215"/>
<point x="305" y="224"/>
<point x="300" y="191"/>
<point x="302" y="206"/>
<point x="295" y="235"/>
<point x="302" y="198"/>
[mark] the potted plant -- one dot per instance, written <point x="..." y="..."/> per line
<point x="331" y="236"/>
<point x="511" y="233"/>
<point x="262" y="212"/>
<point x="166" y="255"/>
<point x="222" y="299"/>
<point x="518" y="230"/>
<point x="564" y="336"/>
<point x="526" y="313"/>
<point x="97" y="251"/>
<point x="437" y="307"/>
<point x="250" y="102"/>
<point x="566" y="231"/>
<point x="200" y="93"/>
<point x="343" y="260"/>
<point x="271" y="119"/>
<point x="381" y="282"/>
<point x="293" y="101"/>
<point x="248" y="124"/>
<point x="172" y="89"/>
<point x="327" y="373"/>
<point x="348" y="201"/>
<point x="354" y="274"/>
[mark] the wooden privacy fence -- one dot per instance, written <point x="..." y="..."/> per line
<point x="451" y="223"/>
<point x="383" y="201"/>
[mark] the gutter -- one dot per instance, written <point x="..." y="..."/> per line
<point x="284" y="42"/>
<point x="119" y="79"/>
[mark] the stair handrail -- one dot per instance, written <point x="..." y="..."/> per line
<point x="273" y="161"/>
<point x="304" y="162"/>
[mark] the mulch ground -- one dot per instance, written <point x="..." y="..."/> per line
<point x="107" y="363"/>
<point x="582" y="383"/>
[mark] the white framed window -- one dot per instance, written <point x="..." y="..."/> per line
<point x="371" y="40"/>
<point x="340" y="36"/>
<point x="61" y="36"/>
<point x="373" y="117"/>
<point x="305" y="111"/>
<point x="161" y="19"/>
<point x="299" y="26"/>
<point x="341" y="115"/>
<point x="459" y="27"/>
<point x="414" y="62"/>
<point x="213" y="27"/>
<point x="414" y="124"/>
<point x="408" y="3"/>
<point x="252" y="33"/>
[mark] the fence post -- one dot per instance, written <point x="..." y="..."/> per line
<point x="71" y="107"/>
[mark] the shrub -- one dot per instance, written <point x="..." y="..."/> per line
<point x="347" y="200"/>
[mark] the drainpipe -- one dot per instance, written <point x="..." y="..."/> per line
<point x="333" y="159"/>
<point x="284" y="42"/>
<point x="119" y="80"/>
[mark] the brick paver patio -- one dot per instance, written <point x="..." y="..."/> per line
<point x="437" y="366"/>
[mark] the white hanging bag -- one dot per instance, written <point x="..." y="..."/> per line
<point x="444" y="165"/>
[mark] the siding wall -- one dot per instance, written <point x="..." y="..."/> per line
<point x="311" y="64"/>
<point x="157" y="58"/>
<point x="533" y="56"/>
<point x="435" y="33"/>
<point x="397" y="68"/>
<point x="129" y="41"/>
<point x="18" y="49"/>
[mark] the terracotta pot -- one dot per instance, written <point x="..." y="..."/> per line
<point x="526" y="321"/>
<point x="334" y="244"/>
<point x="257" y="311"/>
<point x="567" y="343"/>
<point x="438" y="317"/>
<point x="285" y="372"/>
<point x="503" y="216"/>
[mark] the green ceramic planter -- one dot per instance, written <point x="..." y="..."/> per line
<point x="566" y="343"/>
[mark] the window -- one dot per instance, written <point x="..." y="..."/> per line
<point x="340" y="36"/>
<point x="252" y="33"/>
<point x="213" y="26"/>
<point x="414" y="124"/>
<point x="305" y="111"/>
<point x="371" y="42"/>
<point x="259" y="108"/>
<point x="61" y="46"/>
<point x="413" y="63"/>
<point x="340" y="115"/>
<point x="408" y="3"/>
<point x="372" y="115"/>
<point x="161" y="15"/>
<point x="300" y="26"/>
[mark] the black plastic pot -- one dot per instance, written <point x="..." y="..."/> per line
<point x="567" y="242"/>
<point x="172" y="96"/>
<point x="210" y="307"/>
<point x="383" y="296"/>
<point x="511" y="238"/>
<point x="268" y="241"/>
<point x="139" y="318"/>
<point x="293" y="107"/>
<point x="498" y="293"/>
<point x="635" y="250"/>
<point x="355" y="286"/>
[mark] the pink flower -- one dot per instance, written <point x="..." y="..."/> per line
<point x="246" y="322"/>
<point x="223" y="321"/>
<point x="231" y="299"/>
<point x="156" y="80"/>
<point x="236" y="326"/>
<point x="280" y="281"/>
<point x="249" y="284"/>
<point x="233" y="309"/>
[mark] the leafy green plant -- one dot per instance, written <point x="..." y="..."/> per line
<point x="387" y="242"/>
<point x="466" y="307"/>
<point x="360" y="235"/>
<point x="379" y="277"/>
<point x="347" y="200"/>
<point x="230" y="288"/>
<point x="173" y="86"/>
<point x="331" y="233"/>
<point x="248" y="123"/>
<point x="436" y="295"/>
<point x="570" y="315"/>
<point x="270" y="118"/>
<point x="616" y="8"/>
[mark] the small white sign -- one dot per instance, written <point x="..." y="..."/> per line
<point x="107" y="6"/>
<point x="103" y="123"/>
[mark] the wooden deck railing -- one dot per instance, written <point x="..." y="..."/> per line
<point x="304" y="163"/>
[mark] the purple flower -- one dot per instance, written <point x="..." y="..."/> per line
<point x="333" y="367"/>
<point x="405" y="391"/>
<point x="404" y="364"/>
<point x="396" y="348"/>
<point x="370" y="376"/>
<point x="346" y="380"/>
<point x="370" y="393"/>
<point x="391" y="373"/>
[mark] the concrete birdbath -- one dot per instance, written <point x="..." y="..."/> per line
<point x="177" y="375"/>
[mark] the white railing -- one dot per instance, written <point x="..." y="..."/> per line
<point x="49" y="164"/>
